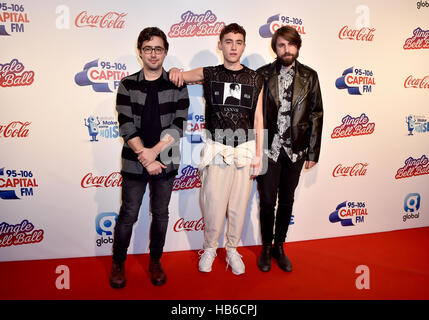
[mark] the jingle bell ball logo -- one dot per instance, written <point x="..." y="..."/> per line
<point x="417" y="124"/>
<point x="15" y="129"/>
<point x="102" y="75"/>
<point x="189" y="179"/>
<point x="104" y="226"/>
<point x="196" y="25"/>
<point x="413" y="168"/>
<point x="419" y="40"/>
<point x="101" y="127"/>
<point x="17" y="184"/>
<point x="279" y="20"/>
<point x="357" y="81"/>
<point x="13" y="74"/>
<point x="349" y="213"/>
<point x="353" y="126"/>
<point x="411" y="207"/>
<point x="13" y="18"/>
<point x="362" y="34"/>
<point x="19" y="234"/>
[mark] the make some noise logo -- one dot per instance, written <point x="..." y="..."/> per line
<point x="279" y="20"/>
<point x="19" y="234"/>
<point x="411" y="207"/>
<point x="413" y="168"/>
<point x="360" y="34"/>
<point x="419" y="40"/>
<point x="17" y="184"/>
<point x="349" y="213"/>
<point x="103" y="75"/>
<point x="189" y="179"/>
<point x="196" y="25"/>
<point x="417" y="124"/>
<point x="353" y="126"/>
<point x="112" y="180"/>
<point x="13" y="18"/>
<point x="15" y="129"/>
<point x="357" y="81"/>
<point x="109" y="20"/>
<point x="101" y="127"/>
<point x="104" y="226"/>
<point x="12" y="74"/>
<point x="357" y="170"/>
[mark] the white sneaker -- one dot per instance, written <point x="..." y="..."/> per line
<point x="206" y="259"/>
<point x="233" y="259"/>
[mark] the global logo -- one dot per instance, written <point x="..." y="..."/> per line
<point x="411" y="206"/>
<point x="416" y="124"/>
<point x="419" y="40"/>
<point x="14" y="17"/>
<point x="357" y="81"/>
<point x="104" y="226"/>
<point x="16" y="184"/>
<point x="349" y="213"/>
<point x="12" y="74"/>
<point x="196" y="25"/>
<point x="103" y="76"/>
<point x="104" y="127"/>
<point x="279" y="20"/>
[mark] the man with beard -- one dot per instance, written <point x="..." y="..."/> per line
<point x="293" y="114"/>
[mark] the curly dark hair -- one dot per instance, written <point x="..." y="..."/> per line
<point x="147" y="33"/>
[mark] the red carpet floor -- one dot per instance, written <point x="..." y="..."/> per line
<point x="398" y="263"/>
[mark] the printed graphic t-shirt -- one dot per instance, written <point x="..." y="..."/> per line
<point x="231" y="98"/>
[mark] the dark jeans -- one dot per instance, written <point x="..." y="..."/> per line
<point x="132" y="196"/>
<point x="281" y="180"/>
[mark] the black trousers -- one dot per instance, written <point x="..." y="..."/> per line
<point x="132" y="196"/>
<point x="280" y="181"/>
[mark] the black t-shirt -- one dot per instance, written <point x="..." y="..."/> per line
<point x="150" y="120"/>
<point x="231" y="99"/>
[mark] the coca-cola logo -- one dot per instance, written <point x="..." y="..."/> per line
<point x="356" y="170"/>
<point x="110" y="181"/>
<point x="353" y="126"/>
<point x="12" y="74"/>
<point x="362" y="34"/>
<point x="110" y="20"/>
<point x="15" y="129"/>
<point x="192" y="225"/>
<point x="419" y="40"/>
<point x="418" y="83"/>
<point x="188" y="180"/>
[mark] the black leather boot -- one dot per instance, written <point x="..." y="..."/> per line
<point x="264" y="262"/>
<point x="117" y="278"/>
<point x="282" y="260"/>
<point x="157" y="274"/>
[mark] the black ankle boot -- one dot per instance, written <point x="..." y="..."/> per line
<point x="264" y="262"/>
<point x="282" y="260"/>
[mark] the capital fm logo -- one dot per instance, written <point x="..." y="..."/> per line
<point x="413" y="168"/>
<point x="104" y="226"/>
<point x="353" y="126"/>
<point x="13" y="74"/>
<point x="194" y="128"/>
<point x="196" y="25"/>
<point x="17" y="184"/>
<point x="349" y="213"/>
<point x="416" y="83"/>
<point x="411" y="207"/>
<point x="22" y="233"/>
<point x="357" y="81"/>
<point x="417" y="124"/>
<point x="15" y="129"/>
<point x="279" y="20"/>
<point x="109" y="20"/>
<point x="189" y="179"/>
<point x="102" y="75"/>
<point x="419" y="40"/>
<point x="101" y="127"/>
<point x="13" y="18"/>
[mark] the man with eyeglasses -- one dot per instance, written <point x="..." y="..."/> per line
<point x="152" y="113"/>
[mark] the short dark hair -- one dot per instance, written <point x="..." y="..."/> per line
<point x="234" y="28"/>
<point x="147" y="33"/>
<point x="289" y="34"/>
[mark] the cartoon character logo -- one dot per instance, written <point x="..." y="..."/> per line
<point x="92" y="127"/>
<point x="410" y="120"/>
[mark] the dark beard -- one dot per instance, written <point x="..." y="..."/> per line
<point x="288" y="62"/>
